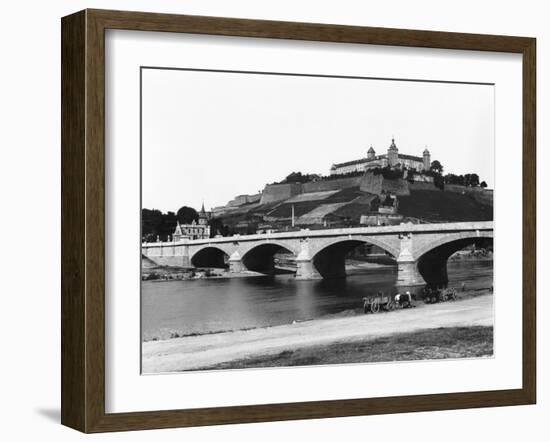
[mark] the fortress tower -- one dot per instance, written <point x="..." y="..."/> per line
<point x="392" y="159"/>
<point x="393" y="154"/>
<point x="426" y="159"/>
<point x="371" y="153"/>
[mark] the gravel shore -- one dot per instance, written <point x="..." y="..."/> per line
<point x="199" y="352"/>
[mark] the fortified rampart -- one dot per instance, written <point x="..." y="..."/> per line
<point x="370" y="183"/>
<point x="336" y="184"/>
<point x="278" y="192"/>
<point x="240" y="200"/>
<point x="273" y="193"/>
<point x="377" y="185"/>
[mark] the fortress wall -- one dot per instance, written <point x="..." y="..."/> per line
<point x="371" y="183"/>
<point x="337" y="184"/>
<point x="279" y="192"/>
<point x="239" y="200"/>
<point x="376" y="184"/>
<point x="400" y="187"/>
<point x="253" y="198"/>
<point x="218" y="211"/>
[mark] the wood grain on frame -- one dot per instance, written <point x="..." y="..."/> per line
<point x="83" y="220"/>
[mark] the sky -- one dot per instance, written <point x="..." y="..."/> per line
<point x="209" y="136"/>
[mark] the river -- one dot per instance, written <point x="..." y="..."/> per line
<point x="176" y="308"/>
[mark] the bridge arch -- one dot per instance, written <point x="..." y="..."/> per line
<point x="439" y="240"/>
<point x="432" y="258"/>
<point x="210" y="256"/>
<point x="329" y="258"/>
<point x="386" y="245"/>
<point x="261" y="257"/>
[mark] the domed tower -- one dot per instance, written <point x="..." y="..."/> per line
<point x="426" y="159"/>
<point x="371" y="154"/>
<point x="393" y="154"/>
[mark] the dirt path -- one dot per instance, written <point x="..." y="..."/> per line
<point x="206" y="350"/>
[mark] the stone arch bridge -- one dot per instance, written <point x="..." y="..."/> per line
<point x="420" y="250"/>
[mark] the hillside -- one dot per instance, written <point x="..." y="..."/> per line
<point x="436" y="205"/>
<point x="354" y="201"/>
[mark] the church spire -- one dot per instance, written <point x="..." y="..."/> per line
<point x="203" y="218"/>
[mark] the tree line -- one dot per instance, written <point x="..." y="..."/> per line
<point x="158" y="225"/>
<point x="436" y="171"/>
<point x="468" y="179"/>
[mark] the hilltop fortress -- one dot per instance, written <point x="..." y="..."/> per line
<point x="392" y="159"/>
<point x="385" y="189"/>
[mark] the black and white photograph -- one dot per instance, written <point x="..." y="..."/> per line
<point x="270" y="221"/>
<point x="306" y="219"/>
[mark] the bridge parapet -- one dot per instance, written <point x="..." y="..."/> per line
<point x="372" y="230"/>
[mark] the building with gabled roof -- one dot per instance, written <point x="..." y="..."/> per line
<point x="195" y="230"/>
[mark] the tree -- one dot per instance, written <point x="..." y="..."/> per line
<point x="157" y="224"/>
<point x="483" y="184"/>
<point x="439" y="182"/>
<point x="217" y="227"/>
<point x="436" y="167"/>
<point x="150" y="222"/>
<point x="451" y="178"/>
<point x="471" y="179"/>
<point x="186" y="215"/>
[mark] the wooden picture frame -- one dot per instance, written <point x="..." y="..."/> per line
<point x="83" y="220"/>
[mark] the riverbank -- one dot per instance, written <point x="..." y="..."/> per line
<point x="164" y="334"/>
<point x="164" y="273"/>
<point x="204" y="351"/>
<point x="438" y="343"/>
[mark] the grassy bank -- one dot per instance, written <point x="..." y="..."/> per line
<point x="438" y="343"/>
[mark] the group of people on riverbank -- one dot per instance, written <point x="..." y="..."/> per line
<point x="372" y="304"/>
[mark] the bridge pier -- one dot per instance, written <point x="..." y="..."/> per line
<point x="305" y="267"/>
<point x="186" y="262"/>
<point x="236" y="264"/>
<point x="408" y="274"/>
<point x="185" y="259"/>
